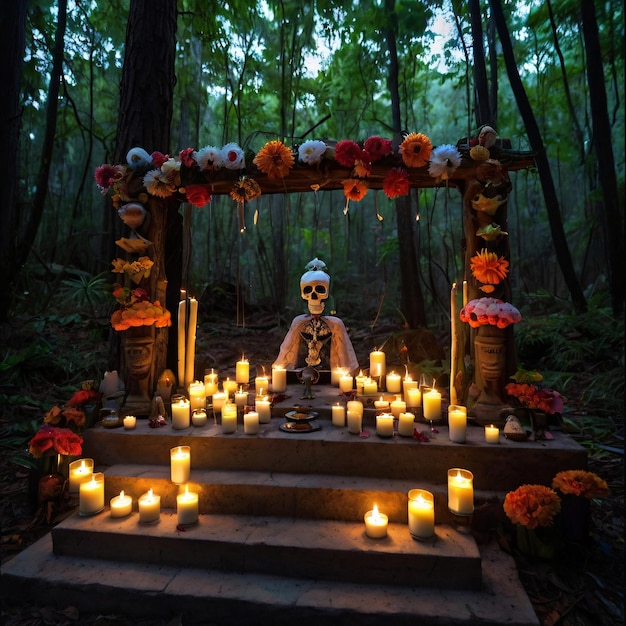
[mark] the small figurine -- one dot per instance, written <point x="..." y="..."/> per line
<point x="157" y="411"/>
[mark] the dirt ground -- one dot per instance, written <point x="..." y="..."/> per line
<point x="584" y="587"/>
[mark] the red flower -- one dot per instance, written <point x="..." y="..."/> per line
<point x="82" y="397"/>
<point x="158" y="158"/>
<point x="186" y="157"/>
<point x="60" y="440"/>
<point x="396" y="183"/>
<point x="355" y="189"/>
<point x="106" y="175"/>
<point x="197" y="195"/>
<point x="347" y="152"/>
<point x="377" y="147"/>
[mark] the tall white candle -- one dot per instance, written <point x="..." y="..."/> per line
<point x="242" y="372"/>
<point x="406" y="424"/>
<point x="261" y="385"/>
<point x="187" y="507"/>
<point x="210" y="383"/>
<point x="393" y="382"/>
<point x="355" y="421"/>
<point x="453" y="344"/>
<point x="180" y="464"/>
<point x="378" y="365"/>
<point x="81" y="471"/>
<point x="149" y="507"/>
<point x="121" y="506"/>
<point x="384" y="425"/>
<point x="229" y="417"/>
<point x="460" y="491"/>
<point x="263" y="407"/>
<point x="190" y="352"/>
<point x="182" y="336"/>
<point x="197" y="395"/>
<point x="338" y="415"/>
<point x="279" y="379"/>
<point x="431" y="404"/>
<point x="91" y="495"/>
<point x="181" y="415"/>
<point x="376" y="524"/>
<point x="457" y="423"/>
<point x="421" y="513"/>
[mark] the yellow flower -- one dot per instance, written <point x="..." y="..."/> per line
<point x="416" y="150"/>
<point x="274" y="159"/>
<point x="488" y="268"/>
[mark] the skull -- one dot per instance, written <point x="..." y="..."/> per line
<point x="314" y="287"/>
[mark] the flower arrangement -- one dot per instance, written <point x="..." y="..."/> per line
<point x="580" y="483"/>
<point x="532" y="506"/>
<point x="534" y="397"/>
<point x="489" y="312"/>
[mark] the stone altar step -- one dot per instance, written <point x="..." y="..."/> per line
<point x="205" y="596"/>
<point x="295" y="548"/>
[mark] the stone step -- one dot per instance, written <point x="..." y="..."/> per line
<point x="281" y="494"/>
<point x="170" y="594"/>
<point x="296" y="548"/>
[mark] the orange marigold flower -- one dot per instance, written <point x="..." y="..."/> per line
<point x="416" y="150"/>
<point x="396" y="183"/>
<point x="488" y="268"/>
<point x="580" y="483"/>
<point x="245" y="189"/>
<point x="354" y="189"/>
<point x="53" y="416"/>
<point x="532" y="505"/>
<point x="274" y="159"/>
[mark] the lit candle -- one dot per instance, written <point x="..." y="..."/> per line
<point x="345" y="383"/>
<point x="384" y="425"/>
<point x="492" y="434"/>
<point x="187" y="507"/>
<point x="180" y="464"/>
<point x="229" y="417"/>
<point x="381" y="404"/>
<point x="218" y="401"/>
<point x="197" y="395"/>
<point x="354" y="415"/>
<point x="263" y="407"/>
<point x="242" y="372"/>
<point x="370" y="387"/>
<point x="182" y="336"/>
<point x="359" y="382"/>
<point x="130" y="421"/>
<point x="279" y="379"/>
<point x="421" y="513"/>
<point x="338" y="415"/>
<point x="91" y="495"/>
<point x="378" y="364"/>
<point x="251" y="423"/>
<point x="457" y="423"/>
<point x="460" y="491"/>
<point x="431" y="404"/>
<point x="230" y="386"/>
<point x="413" y="397"/>
<point x="453" y="344"/>
<point x="190" y="351"/>
<point x="180" y="414"/>
<point x="241" y="398"/>
<point x="394" y="382"/>
<point x="398" y="406"/>
<point x="408" y="383"/>
<point x="121" y="506"/>
<point x="80" y="472"/>
<point x="406" y="424"/>
<point x="149" y="507"/>
<point x="198" y="417"/>
<point x="465" y="293"/>
<point x="335" y="376"/>
<point x="376" y="524"/>
<point x="210" y="384"/>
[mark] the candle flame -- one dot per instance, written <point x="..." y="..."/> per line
<point x="150" y="495"/>
<point x="375" y="513"/>
<point x="122" y="494"/>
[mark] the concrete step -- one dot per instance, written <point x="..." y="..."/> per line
<point x="203" y="595"/>
<point x="296" y="548"/>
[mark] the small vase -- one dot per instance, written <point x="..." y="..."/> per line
<point x="537" y="543"/>
<point x="53" y="474"/>
<point x="574" y="520"/>
<point x="539" y="423"/>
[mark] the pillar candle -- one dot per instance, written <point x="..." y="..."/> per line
<point x="182" y="336"/>
<point x="460" y="491"/>
<point x="197" y="395"/>
<point x="187" y="507"/>
<point x="406" y="424"/>
<point x="384" y="425"/>
<point x="359" y="382"/>
<point x="398" y="406"/>
<point x="91" y="495"/>
<point x="241" y="398"/>
<point x="130" y="421"/>
<point x="355" y="421"/>
<point x="457" y="423"/>
<point x="431" y="404"/>
<point x="230" y="386"/>
<point x="229" y="417"/>
<point x="413" y="397"/>
<point x="381" y="404"/>
<point x="261" y="385"/>
<point x="376" y="524"/>
<point x="421" y="514"/>
<point x="210" y="384"/>
<point x="251" y="423"/>
<point x="242" y="372"/>
<point x="198" y="417"/>
<point x="218" y="401"/>
<point x="190" y="351"/>
<point x="408" y="383"/>
<point x="149" y="507"/>
<point x="378" y="364"/>
<point x="370" y="387"/>
<point x="338" y="415"/>
<point x="335" y="376"/>
<point x="279" y="379"/>
<point x="180" y="414"/>
<point x="180" y="464"/>
<point x="81" y="471"/>
<point x="121" y="506"/>
<point x="263" y="407"/>
<point x="393" y="383"/>
<point x="346" y="383"/>
<point x="492" y="434"/>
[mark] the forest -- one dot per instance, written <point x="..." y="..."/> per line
<point x="88" y="84"/>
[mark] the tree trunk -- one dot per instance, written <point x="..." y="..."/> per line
<point x="564" y="258"/>
<point x="612" y="216"/>
<point x="482" y="110"/>
<point x="12" y="34"/>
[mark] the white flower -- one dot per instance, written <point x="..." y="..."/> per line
<point x="443" y="161"/>
<point x="158" y="184"/>
<point x="232" y="156"/>
<point x="312" y="151"/>
<point x="208" y="158"/>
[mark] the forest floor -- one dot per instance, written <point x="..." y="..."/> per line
<point x="583" y="588"/>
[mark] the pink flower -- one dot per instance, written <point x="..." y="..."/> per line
<point x="197" y="195"/>
<point x="158" y="158"/>
<point x="106" y="175"/>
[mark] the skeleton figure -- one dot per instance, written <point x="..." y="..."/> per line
<point x="316" y="340"/>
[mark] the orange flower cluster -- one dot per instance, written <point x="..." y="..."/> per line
<point x="532" y="397"/>
<point x="416" y="150"/>
<point x="487" y="268"/>
<point x="66" y="416"/>
<point x="580" y="483"/>
<point x="532" y="506"/>
<point x="57" y="440"/>
<point x="274" y="159"/>
<point x="144" y="313"/>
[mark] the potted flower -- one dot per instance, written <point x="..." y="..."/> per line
<point x="532" y="509"/>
